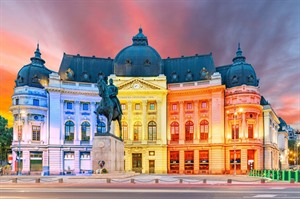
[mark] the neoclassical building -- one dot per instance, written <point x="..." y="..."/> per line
<point x="180" y="115"/>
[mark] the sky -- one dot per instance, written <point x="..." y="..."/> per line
<point x="268" y="30"/>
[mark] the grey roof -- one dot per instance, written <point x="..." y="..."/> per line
<point x="185" y="69"/>
<point x="34" y="74"/>
<point x="84" y="69"/>
<point x="263" y="101"/>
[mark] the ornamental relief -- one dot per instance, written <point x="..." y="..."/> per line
<point x="137" y="84"/>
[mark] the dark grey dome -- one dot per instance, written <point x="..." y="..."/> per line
<point x="139" y="59"/>
<point x="34" y="74"/>
<point x="240" y="72"/>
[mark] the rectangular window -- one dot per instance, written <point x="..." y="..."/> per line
<point x="174" y="161"/>
<point x="203" y="160"/>
<point x="203" y="105"/>
<point x="189" y="160"/>
<point x="17" y="101"/>
<point x="36" y="102"/>
<point x="137" y="106"/>
<point x="235" y="131"/>
<point x="250" y="130"/>
<point x="152" y="106"/>
<point x="174" y="107"/>
<point x="189" y="106"/>
<point x="36" y="132"/>
<point x="123" y="106"/>
<point x="236" y="159"/>
<point x="69" y="105"/>
<point x="85" y="106"/>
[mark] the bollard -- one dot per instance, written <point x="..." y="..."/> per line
<point x="229" y="181"/>
<point x="37" y="180"/>
<point x="60" y="180"/>
<point x="180" y="181"/>
<point x="156" y="181"/>
<point x="262" y="180"/>
<point x="132" y="180"/>
<point x="204" y="181"/>
<point x="292" y="180"/>
<point x="14" y="180"/>
<point x="108" y="180"/>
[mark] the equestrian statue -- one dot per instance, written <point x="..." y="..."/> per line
<point x="109" y="105"/>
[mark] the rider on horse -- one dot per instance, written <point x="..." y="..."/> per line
<point x="113" y="92"/>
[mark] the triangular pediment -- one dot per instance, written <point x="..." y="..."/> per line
<point x="138" y="84"/>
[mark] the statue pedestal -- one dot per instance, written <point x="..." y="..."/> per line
<point x="109" y="148"/>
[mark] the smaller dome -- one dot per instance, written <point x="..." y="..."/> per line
<point x="240" y="72"/>
<point x="34" y="74"/>
<point x="138" y="60"/>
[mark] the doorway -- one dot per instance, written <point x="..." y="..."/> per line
<point x="137" y="162"/>
<point x="151" y="166"/>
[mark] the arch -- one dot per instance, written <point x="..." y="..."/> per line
<point x="101" y="127"/>
<point x="125" y="130"/>
<point x="204" y="128"/>
<point x="85" y="131"/>
<point x="189" y="131"/>
<point x="69" y="130"/>
<point x="152" y="130"/>
<point x="137" y="131"/>
<point x="174" y="131"/>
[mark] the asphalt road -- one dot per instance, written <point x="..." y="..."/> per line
<point x="203" y="192"/>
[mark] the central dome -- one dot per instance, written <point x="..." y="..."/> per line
<point x="138" y="60"/>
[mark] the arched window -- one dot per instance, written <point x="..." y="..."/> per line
<point x="69" y="131"/>
<point x="152" y="131"/>
<point x="174" y="131"/>
<point x="125" y="131"/>
<point x="204" y="130"/>
<point x="189" y="131"/>
<point x="101" y="127"/>
<point x="137" y="131"/>
<point x="85" y="131"/>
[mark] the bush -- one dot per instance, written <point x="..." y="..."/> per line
<point x="104" y="170"/>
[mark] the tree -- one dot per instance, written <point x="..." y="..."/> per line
<point x="6" y="137"/>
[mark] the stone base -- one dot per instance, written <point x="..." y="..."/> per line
<point x="110" y="149"/>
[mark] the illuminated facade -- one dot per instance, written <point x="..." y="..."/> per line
<point x="180" y="115"/>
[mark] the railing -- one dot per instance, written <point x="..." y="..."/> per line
<point x="277" y="175"/>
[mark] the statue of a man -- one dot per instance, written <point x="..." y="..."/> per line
<point x="113" y="92"/>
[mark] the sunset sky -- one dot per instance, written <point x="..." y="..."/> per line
<point x="269" y="33"/>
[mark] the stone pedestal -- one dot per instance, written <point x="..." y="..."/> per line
<point x="109" y="148"/>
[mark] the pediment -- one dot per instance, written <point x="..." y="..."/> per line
<point x="138" y="84"/>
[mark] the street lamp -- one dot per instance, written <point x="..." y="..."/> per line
<point x="20" y="129"/>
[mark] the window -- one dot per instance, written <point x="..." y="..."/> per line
<point x="174" y="107"/>
<point x="250" y="130"/>
<point x="174" y="131"/>
<point x="85" y="106"/>
<point x="189" y="131"/>
<point x="123" y="106"/>
<point x="138" y="106"/>
<point x="235" y="131"/>
<point x="69" y="105"/>
<point x="36" y="102"/>
<point x="174" y="161"/>
<point x="152" y="131"/>
<point x="189" y="106"/>
<point x="203" y="160"/>
<point x="85" y="131"/>
<point x="36" y="133"/>
<point x="203" y="105"/>
<point x="137" y="131"/>
<point x="69" y="131"/>
<point x="125" y="130"/>
<point x="101" y="127"/>
<point x="152" y="106"/>
<point x="189" y="160"/>
<point x="17" y="101"/>
<point x="204" y="130"/>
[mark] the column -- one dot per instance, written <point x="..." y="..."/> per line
<point x="62" y="123"/>
<point x="144" y="121"/>
<point x="76" y="161"/>
<point x="181" y="123"/>
<point x="93" y="121"/>
<point x="196" y="122"/>
<point x="196" y="161"/>
<point x="243" y="134"/>
<point x="159" y="119"/>
<point x="181" y="161"/>
<point x="77" y="123"/>
<point x="129" y="120"/>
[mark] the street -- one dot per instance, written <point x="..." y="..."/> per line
<point x="149" y="192"/>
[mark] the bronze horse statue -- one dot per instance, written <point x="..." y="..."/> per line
<point x="107" y="107"/>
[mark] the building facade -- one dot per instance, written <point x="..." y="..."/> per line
<point x="180" y="115"/>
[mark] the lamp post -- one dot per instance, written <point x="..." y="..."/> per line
<point x="20" y="131"/>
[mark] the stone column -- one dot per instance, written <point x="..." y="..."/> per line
<point x="93" y="121"/>
<point x="77" y="124"/>
<point x="181" y="123"/>
<point x="130" y="128"/>
<point x="243" y="134"/>
<point x="159" y="119"/>
<point x="144" y="121"/>
<point x="196" y="122"/>
<point x="181" y="161"/>
<point x="62" y="123"/>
